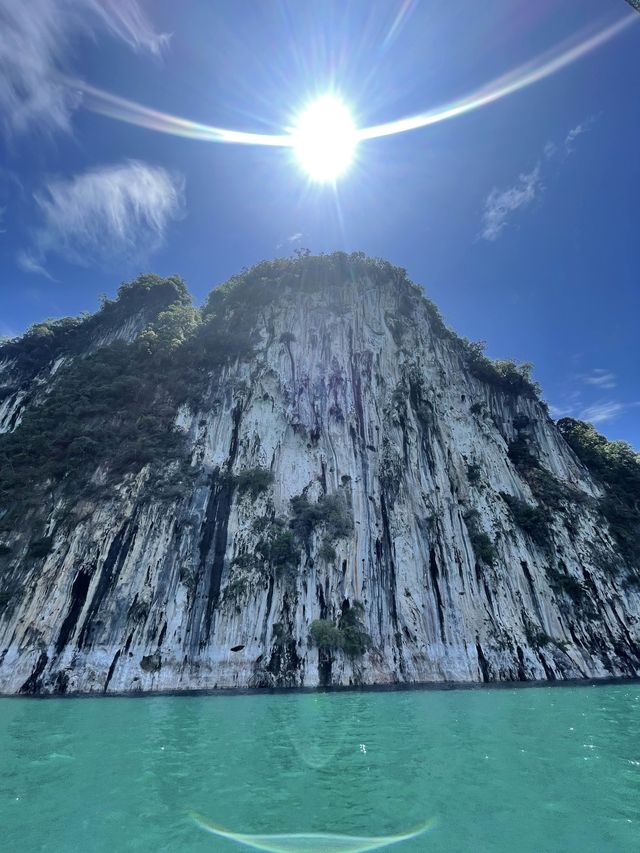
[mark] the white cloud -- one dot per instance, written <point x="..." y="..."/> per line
<point x="27" y="263"/>
<point x="294" y="238"/>
<point x="117" y="212"/>
<point x="600" y="377"/>
<point x="596" y="413"/>
<point x="605" y="410"/>
<point x="501" y="204"/>
<point x="577" y="131"/>
<point x="36" y="38"/>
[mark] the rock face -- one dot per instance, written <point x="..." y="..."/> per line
<point x="450" y="507"/>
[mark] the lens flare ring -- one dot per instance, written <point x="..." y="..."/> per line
<point x="335" y="144"/>
<point x="311" y="842"/>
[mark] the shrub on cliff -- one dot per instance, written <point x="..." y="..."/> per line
<point x="253" y="481"/>
<point x="330" y="510"/>
<point x="348" y="636"/>
<point x="617" y="466"/>
<point x="534" y="520"/>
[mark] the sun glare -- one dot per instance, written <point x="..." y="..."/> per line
<point x="324" y="139"/>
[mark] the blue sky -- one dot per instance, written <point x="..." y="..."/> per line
<point x="519" y="217"/>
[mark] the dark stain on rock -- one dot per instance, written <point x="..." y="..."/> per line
<point x="483" y="663"/>
<point x="111" y="670"/>
<point x="151" y="663"/>
<point x="109" y="572"/>
<point x="434" y="574"/>
<point x="79" y="592"/>
<point x="522" y="675"/>
<point x="33" y="683"/>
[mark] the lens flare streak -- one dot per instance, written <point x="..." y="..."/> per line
<point x="526" y="75"/>
<point x="520" y="78"/>
<point x="99" y="101"/>
<point x="312" y="842"/>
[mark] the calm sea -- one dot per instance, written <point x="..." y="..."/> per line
<point x="542" y="769"/>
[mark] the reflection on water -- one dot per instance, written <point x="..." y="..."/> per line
<point x="499" y="770"/>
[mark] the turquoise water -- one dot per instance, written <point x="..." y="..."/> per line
<point x="548" y="769"/>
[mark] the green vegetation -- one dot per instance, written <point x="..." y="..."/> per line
<point x="546" y="488"/>
<point x="277" y="548"/>
<point x="563" y="582"/>
<point x="326" y="551"/>
<point x="284" y="553"/>
<point x="521" y="421"/>
<point x="617" y="466"/>
<point x="257" y="286"/>
<point x="348" y="636"/>
<point x="506" y="375"/>
<point x="330" y="511"/>
<point x="324" y="634"/>
<point x="114" y="410"/>
<point x="534" y="520"/>
<point x="474" y="472"/>
<point x="520" y="454"/>
<point x="355" y="640"/>
<point x="481" y="542"/>
<point x="111" y="413"/>
<point x="105" y="411"/>
<point x="536" y="636"/>
<point x="44" y="342"/>
<point x="253" y="481"/>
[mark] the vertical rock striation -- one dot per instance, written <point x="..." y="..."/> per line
<point x="450" y="506"/>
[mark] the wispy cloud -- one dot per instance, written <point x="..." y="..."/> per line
<point x="293" y="238"/>
<point x="577" y="131"/>
<point x="601" y="378"/>
<point x="605" y="410"/>
<point x="36" y="37"/>
<point x="28" y="263"/>
<point x="599" y="412"/>
<point x="502" y="204"/>
<point x="110" y="213"/>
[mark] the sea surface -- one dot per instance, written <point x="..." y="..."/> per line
<point x="538" y="769"/>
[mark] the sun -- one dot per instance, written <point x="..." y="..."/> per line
<point x="324" y="139"/>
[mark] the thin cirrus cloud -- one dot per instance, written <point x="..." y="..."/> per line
<point x="605" y="410"/>
<point x="502" y="204"/>
<point x="107" y="214"/>
<point x="577" y="131"/>
<point x="35" y="50"/>
<point x="601" y="378"/>
<point x="596" y="413"/>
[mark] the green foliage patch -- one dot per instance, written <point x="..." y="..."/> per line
<point x="534" y="520"/>
<point x="617" y="466"/>
<point x="330" y="511"/>
<point x="482" y="544"/>
<point x="349" y="636"/>
<point x="253" y="481"/>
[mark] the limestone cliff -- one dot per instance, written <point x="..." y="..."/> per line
<point x="198" y="499"/>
